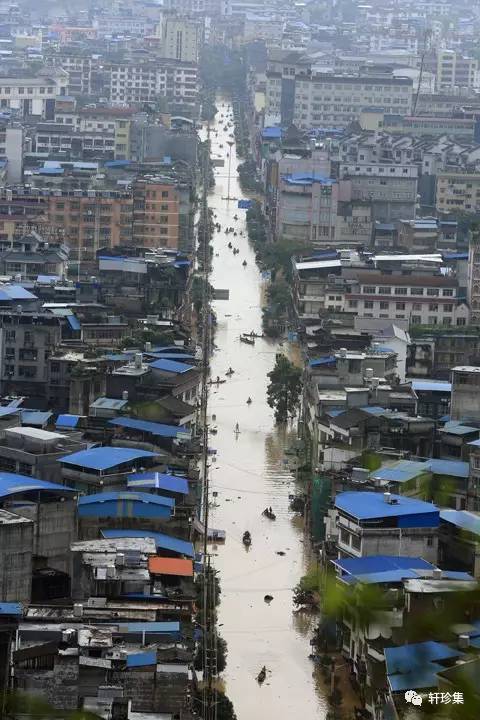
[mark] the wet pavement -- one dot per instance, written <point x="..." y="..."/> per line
<point x="250" y="473"/>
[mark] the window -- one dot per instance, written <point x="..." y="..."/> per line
<point x="384" y="305"/>
<point x="461" y="321"/>
<point x="369" y="289"/>
<point x="353" y="303"/>
<point x="384" y="290"/>
<point x="447" y="292"/>
<point x="416" y="320"/>
<point x="448" y="308"/>
<point x="433" y="292"/>
<point x="368" y="304"/>
<point x="432" y="320"/>
<point x="10" y="336"/>
<point x="400" y="291"/>
<point x="417" y="306"/>
<point x="400" y="306"/>
<point x="433" y="307"/>
<point x="164" y="193"/>
<point x="417" y="291"/>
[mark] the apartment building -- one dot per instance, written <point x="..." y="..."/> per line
<point x="307" y="208"/>
<point x="295" y="94"/>
<point x="465" y="388"/>
<point x="473" y="278"/>
<point x="156" y="207"/>
<point x="458" y="192"/>
<point x="80" y="68"/>
<point x="144" y="82"/>
<point x="455" y="71"/>
<point x="181" y="39"/>
<point x="12" y="149"/>
<point x="33" y="95"/>
<point x="418" y="299"/>
<point x="392" y="188"/>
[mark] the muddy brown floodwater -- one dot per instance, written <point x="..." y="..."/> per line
<point x="250" y="473"/>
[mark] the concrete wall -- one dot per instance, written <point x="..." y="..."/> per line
<point x="58" y="686"/>
<point x="16" y="543"/>
<point x="55" y="530"/>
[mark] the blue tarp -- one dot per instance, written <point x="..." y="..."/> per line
<point x="67" y="421"/>
<point x="105" y="458"/>
<point x="163" y="542"/>
<point x="245" y="204"/>
<point x="11" y="484"/>
<point x="166" y="431"/>
<point x="371" y="505"/>
<point x="272" y="133"/>
<point x="160" y="481"/>
<point x="171" y="366"/>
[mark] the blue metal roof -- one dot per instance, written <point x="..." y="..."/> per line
<point x="11" y="484"/>
<point x="380" y="563"/>
<point x="67" y="421"/>
<point x="160" y="481"/>
<point x="150" y="627"/>
<point x="166" y="431"/>
<point x="454" y="427"/>
<point x="10" y="608"/>
<point x="371" y="505"/>
<point x="141" y="659"/>
<point x="171" y="366"/>
<point x="272" y="133"/>
<point x="454" y="468"/>
<point x="125" y="505"/>
<point x="170" y="356"/>
<point x="35" y="417"/>
<point x="373" y="410"/>
<point x="432" y="386"/>
<point x="15" y="292"/>
<point x="410" y="667"/>
<point x="105" y="458"/>
<point x="74" y="322"/>
<point x="327" y="360"/>
<point x="462" y="519"/>
<point x="402" y="471"/>
<point x="163" y="542"/>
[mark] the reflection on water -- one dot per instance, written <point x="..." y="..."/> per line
<point x="250" y="473"/>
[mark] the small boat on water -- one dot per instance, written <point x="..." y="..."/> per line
<point x="213" y="430"/>
<point x="230" y="371"/>
<point x="268" y="513"/>
<point x="262" y="675"/>
<point x="247" y="340"/>
<point x="244" y="263"/>
<point x="218" y="381"/>
<point x="247" y="538"/>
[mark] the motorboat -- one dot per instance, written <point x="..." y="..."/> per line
<point x="247" y="538"/>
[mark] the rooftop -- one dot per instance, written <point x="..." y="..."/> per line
<point x="159" y="481"/>
<point x="462" y="519"/>
<point x="105" y="458"/>
<point x="371" y="505"/>
<point x="13" y="484"/>
<point x="158" y="429"/>
<point x="163" y="542"/>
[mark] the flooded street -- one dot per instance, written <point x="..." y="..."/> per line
<point x="249" y="474"/>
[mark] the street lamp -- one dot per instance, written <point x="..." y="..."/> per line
<point x="230" y="143"/>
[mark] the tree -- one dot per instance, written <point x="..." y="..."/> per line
<point x="283" y="392"/>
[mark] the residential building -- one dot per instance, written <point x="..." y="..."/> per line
<point x="457" y="192"/>
<point x="465" y="388"/>
<point x="16" y="546"/>
<point x="455" y="71"/>
<point x="473" y="281"/>
<point x="370" y="523"/>
<point x="459" y="540"/>
<point x="181" y="38"/>
<point x="391" y="188"/>
<point x="33" y="95"/>
<point x="156" y="213"/>
<point x="307" y="209"/>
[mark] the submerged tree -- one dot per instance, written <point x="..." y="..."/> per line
<point x="284" y="389"/>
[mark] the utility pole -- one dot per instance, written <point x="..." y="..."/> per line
<point x="230" y="144"/>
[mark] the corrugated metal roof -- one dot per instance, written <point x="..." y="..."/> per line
<point x="11" y="484"/>
<point x="160" y="481"/>
<point x="8" y="410"/>
<point x="163" y="542"/>
<point x="10" y="608"/>
<point x="125" y="505"/>
<point x="105" y="458"/>
<point x="318" y="264"/>
<point x="370" y="505"/>
<point x="402" y="471"/>
<point x="166" y="431"/>
<point x="126" y="495"/>
<point x="431" y="386"/>
<point x="141" y="659"/>
<point x="105" y="403"/>
<point x="74" y="322"/>
<point x="35" y="417"/>
<point x="454" y="427"/>
<point x="462" y="519"/>
<point x="327" y="360"/>
<point x="67" y="421"/>
<point x="171" y="366"/>
<point x="410" y="667"/>
<point x="170" y="566"/>
<point x="454" y="468"/>
<point x="380" y="563"/>
<point x="15" y="292"/>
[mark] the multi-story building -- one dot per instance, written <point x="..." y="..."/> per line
<point x="458" y="192"/>
<point x="391" y="188"/>
<point x="415" y="298"/>
<point x="33" y="95"/>
<point x="295" y="94"/>
<point x="455" y="71"/>
<point x="465" y="389"/>
<point x="181" y="39"/>
<point x="371" y="523"/>
<point x="473" y="278"/>
<point x="80" y="68"/>
<point x="307" y="209"/>
<point x="156" y="213"/>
